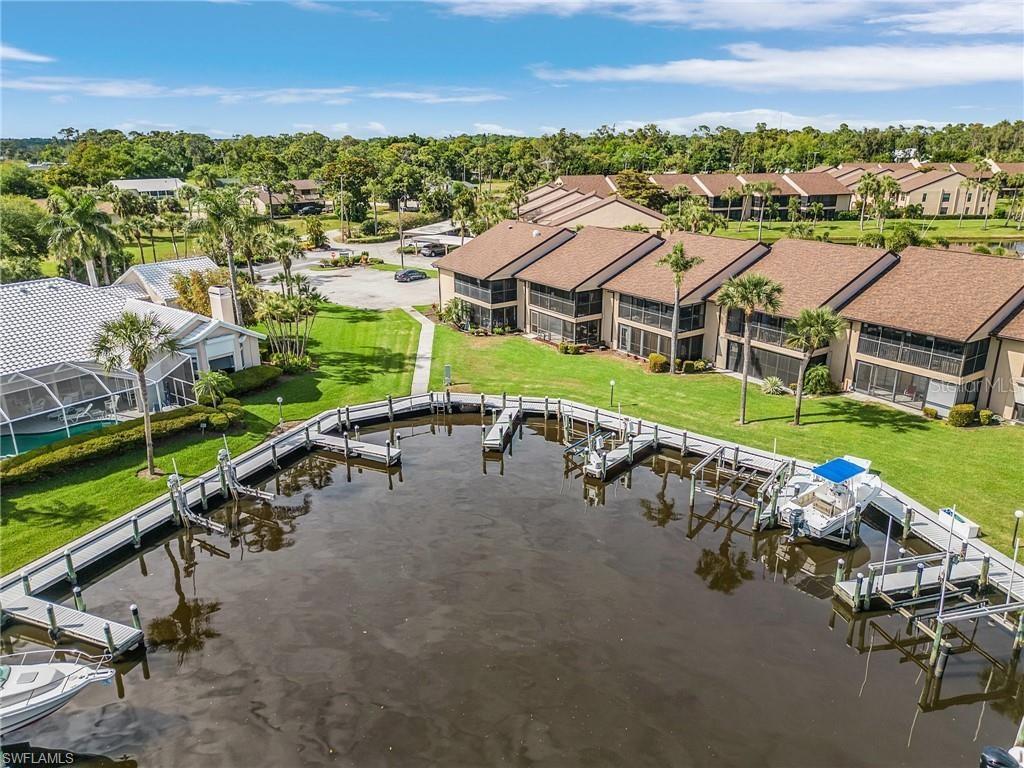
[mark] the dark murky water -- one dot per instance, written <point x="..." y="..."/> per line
<point x="469" y="619"/>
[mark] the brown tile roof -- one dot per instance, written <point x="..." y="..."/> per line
<point x="594" y="182"/>
<point x="651" y="280"/>
<point x="568" y="214"/>
<point x="538" y="202"/>
<point x="572" y="199"/>
<point x="970" y="170"/>
<point x="590" y="251"/>
<point x="817" y="183"/>
<point x="780" y="183"/>
<point x="717" y="183"/>
<point x="812" y="272"/>
<point x="940" y="293"/>
<point x="496" y="248"/>
<point x="669" y="181"/>
<point x="919" y="180"/>
<point x="1014" y="329"/>
<point x="1010" y="168"/>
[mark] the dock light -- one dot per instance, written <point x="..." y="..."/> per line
<point x="280" y="410"/>
<point x="611" y="395"/>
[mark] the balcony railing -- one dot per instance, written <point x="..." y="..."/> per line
<point x="767" y="334"/>
<point x="910" y="355"/>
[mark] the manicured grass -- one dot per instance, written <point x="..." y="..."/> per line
<point x="849" y="231"/>
<point x="363" y="355"/>
<point x="981" y="470"/>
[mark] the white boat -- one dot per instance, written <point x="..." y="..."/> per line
<point x="35" y="684"/>
<point x="823" y="502"/>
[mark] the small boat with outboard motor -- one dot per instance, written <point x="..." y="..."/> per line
<point x="34" y="684"/>
<point x="823" y="502"/>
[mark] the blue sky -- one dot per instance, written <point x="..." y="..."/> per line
<point x="511" y="66"/>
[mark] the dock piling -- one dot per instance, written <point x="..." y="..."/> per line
<point x="109" y="637"/>
<point x="933" y="658"/>
<point x="899" y="565"/>
<point x="391" y="409"/>
<point x="305" y="436"/>
<point x="51" y="617"/>
<point x="136" y="619"/>
<point x="683" y="449"/>
<point x="344" y="436"/>
<point x="136" y="533"/>
<point x="655" y="436"/>
<point x="870" y="590"/>
<point x="202" y="495"/>
<point x="940" y="664"/>
<point x="630" y="454"/>
<point x="917" y="580"/>
<point x="69" y="566"/>
<point x="504" y="400"/>
<point x="483" y="406"/>
<point x="857" y="590"/>
<point x="24" y="583"/>
<point x="840" y="570"/>
<point x="273" y="455"/>
<point x="1018" y="640"/>
<point x="222" y="459"/>
<point x="79" y="600"/>
<point x="986" y="564"/>
<point x="348" y="417"/>
<point x="908" y="519"/>
<point x="387" y="451"/>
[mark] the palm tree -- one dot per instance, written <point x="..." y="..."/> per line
<point x="730" y="195"/>
<point x="149" y="223"/>
<point x="125" y="202"/>
<point x="133" y="341"/>
<point x="969" y="186"/>
<point x="888" y="189"/>
<point x="134" y="230"/>
<point x="749" y="293"/>
<point x="284" y="246"/>
<point x="817" y="210"/>
<point x="812" y="330"/>
<point x="76" y="227"/>
<point x="993" y="186"/>
<point x="677" y="261"/>
<point x="867" y="187"/>
<point x="225" y="222"/>
<point x="212" y="384"/>
<point x="681" y="192"/>
<point x="515" y="196"/>
<point x="693" y="216"/>
<point x="174" y="223"/>
<point x="762" y="190"/>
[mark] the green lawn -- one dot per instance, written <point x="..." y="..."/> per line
<point x="981" y="470"/>
<point x="849" y="231"/>
<point x="363" y="355"/>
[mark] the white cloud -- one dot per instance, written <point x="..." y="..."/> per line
<point x="989" y="17"/>
<point x="698" y="14"/>
<point x="500" y="130"/>
<point x="747" y="119"/>
<point x="314" y="5"/>
<point x="144" y="126"/>
<point x="842" y="68"/>
<point x="10" y="53"/>
<point x="143" y="89"/>
<point x="334" y="129"/>
<point x="376" y="128"/>
<point x="453" y="96"/>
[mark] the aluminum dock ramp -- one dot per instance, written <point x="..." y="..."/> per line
<point x="494" y="439"/>
<point x="356" y="449"/>
<point x="600" y="464"/>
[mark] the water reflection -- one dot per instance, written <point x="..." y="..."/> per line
<point x="662" y="510"/>
<point x="187" y="628"/>
<point x="725" y="569"/>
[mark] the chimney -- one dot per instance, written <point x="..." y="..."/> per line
<point x="220" y="304"/>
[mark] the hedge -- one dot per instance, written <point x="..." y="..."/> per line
<point x="57" y="457"/>
<point x="961" y="415"/>
<point x="251" y="379"/>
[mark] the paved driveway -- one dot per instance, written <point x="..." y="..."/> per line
<point x="371" y="288"/>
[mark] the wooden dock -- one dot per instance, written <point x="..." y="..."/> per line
<point x="72" y="623"/>
<point x="356" y="449"/>
<point x="499" y="432"/>
<point x="602" y="464"/>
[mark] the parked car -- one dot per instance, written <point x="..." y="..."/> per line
<point x="308" y="210"/>
<point x="410" y="275"/>
<point x="429" y="250"/>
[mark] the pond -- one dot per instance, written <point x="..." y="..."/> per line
<point x="472" y="612"/>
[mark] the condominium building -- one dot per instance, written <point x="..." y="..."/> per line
<point x="927" y="327"/>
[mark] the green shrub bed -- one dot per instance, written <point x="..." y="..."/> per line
<point x="48" y="460"/>
<point x="251" y="379"/>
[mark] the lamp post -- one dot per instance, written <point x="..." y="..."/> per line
<point x="1017" y="515"/>
<point x="280" y="410"/>
<point x="611" y="394"/>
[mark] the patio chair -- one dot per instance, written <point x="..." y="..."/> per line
<point x="79" y="414"/>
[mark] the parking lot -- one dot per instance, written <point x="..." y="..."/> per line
<point x="370" y="288"/>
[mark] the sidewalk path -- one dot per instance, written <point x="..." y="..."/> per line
<point x="421" y="373"/>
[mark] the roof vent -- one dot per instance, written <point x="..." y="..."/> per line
<point x="536" y="233"/>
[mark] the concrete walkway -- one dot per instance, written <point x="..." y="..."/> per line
<point x="421" y="373"/>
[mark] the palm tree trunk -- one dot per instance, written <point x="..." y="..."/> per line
<point x="106" y="267"/>
<point x="800" y="388"/>
<point x="675" y="327"/>
<point x="1010" y="207"/>
<point x="728" y="213"/>
<point x="760" y="220"/>
<point x="142" y="253"/>
<point x="152" y="244"/>
<point x="746" y="368"/>
<point x="229" y="247"/>
<point x="270" y="204"/>
<point x="147" y="424"/>
<point x="174" y="244"/>
<point x="863" y="210"/>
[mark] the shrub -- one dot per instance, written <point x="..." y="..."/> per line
<point x="289" y="362"/>
<point x="689" y="366"/>
<point x="818" y="381"/>
<point x="961" y="415"/>
<point x="871" y="239"/>
<point x="55" y="458"/>
<point x="251" y="379"/>
<point x="702" y="365"/>
<point x="568" y="348"/>
<point x="985" y="417"/>
<point x="657" y="363"/>
<point x="772" y="385"/>
<point x="929" y="412"/>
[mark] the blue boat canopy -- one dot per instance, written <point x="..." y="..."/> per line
<point x="837" y="470"/>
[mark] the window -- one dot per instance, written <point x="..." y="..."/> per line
<point x="640" y="342"/>
<point x="648" y="312"/>
<point x="489" y="291"/>
<point x="924" y="196"/>
<point x="485" y="317"/>
<point x="922" y="351"/>
<point x="945" y="197"/>
<point x="910" y="389"/>
<point x="770" y="329"/>
<point x="556" y="329"/>
<point x="764" y="363"/>
<point x="943" y="210"/>
<point x="569" y="303"/>
<point x="975" y="356"/>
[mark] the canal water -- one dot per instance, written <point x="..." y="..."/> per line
<point x="463" y="613"/>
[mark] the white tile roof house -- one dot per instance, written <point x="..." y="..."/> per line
<point x="151" y="187"/>
<point x="49" y="379"/>
<point x="154" y="280"/>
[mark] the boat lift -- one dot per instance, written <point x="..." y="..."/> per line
<point x="229" y="481"/>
